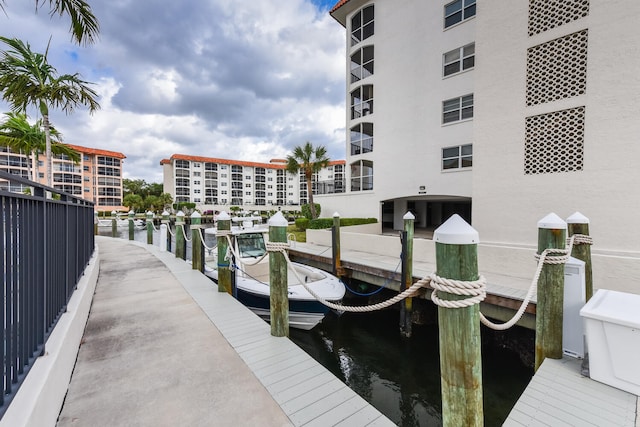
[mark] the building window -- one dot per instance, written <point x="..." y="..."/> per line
<point x="361" y="138"/>
<point x="362" y="175"/>
<point x="362" y="64"/>
<point x="362" y="25"/>
<point x="458" y="11"/>
<point x="362" y="101"/>
<point x="457" y="157"/>
<point x="184" y="164"/>
<point x="456" y="109"/>
<point x="460" y="59"/>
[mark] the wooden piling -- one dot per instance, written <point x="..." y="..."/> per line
<point x="335" y="245"/>
<point x="579" y="224"/>
<point x="224" y="273"/>
<point x="197" y="251"/>
<point x="95" y="223"/>
<point x="149" y="228"/>
<point x="406" y="306"/>
<point x="279" y="298"/>
<point x="180" y="242"/>
<point x="460" y="349"/>
<point x="167" y="222"/>
<point x="552" y="233"/>
<point x="130" y="224"/>
<point x="114" y="224"/>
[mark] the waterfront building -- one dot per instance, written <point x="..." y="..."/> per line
<point x="97" y="177"/>
<point x="500" y="111"/>
<point x="215" y="184"/>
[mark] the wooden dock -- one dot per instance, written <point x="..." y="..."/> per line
<point x="558" y="395"/>
<point x="307" y="392"/>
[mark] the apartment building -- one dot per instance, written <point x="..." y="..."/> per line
<point x="215" y="184"/>
<point x="97" y="177"/>
<point x="501" y="111"/>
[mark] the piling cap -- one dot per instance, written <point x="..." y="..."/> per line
<point x="131" y="212"/>
<point x="552" y="222"/>
<point x="113" y="213"/>
<point x="336" y="215"/>
<point x="456" y="231"/>
<point x="409" y="215"/>
<point x="165" y="213"/>
<point x="223" y="216"/>
<point x="196" y="214"/>
<point x="278" y="220"/>
<point x="577" y="218"/>
<point x="180" y="213"/>
<point x="149" y="213"/>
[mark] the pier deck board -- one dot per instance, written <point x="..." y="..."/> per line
<point x="306" y="391"/>
<point x="558" y="395"/>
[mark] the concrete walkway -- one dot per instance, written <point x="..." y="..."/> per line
<point x="151" y="357"/>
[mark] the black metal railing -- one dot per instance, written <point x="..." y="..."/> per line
<point x="47" y="241"/>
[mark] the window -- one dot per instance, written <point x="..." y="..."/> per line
<point x="196" y="182"/>
<point x="456" y="109"/>
<point x="460" y="59"/>
<point x="85" y="168"/>
<point x="457" y="157"/>
<point x="361" y="138"/>
<point x="197" y="174"/>
<point x="458" y="11"/>
<point x="362" y="25"/>
<point x="184" y="164"/>
<point x="362" y="101"/>
<point x="196" y="165"/>
<point x="362" y="64"/>
<point x="362" y="175"/>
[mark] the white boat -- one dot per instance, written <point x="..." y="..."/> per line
<point x="121" y="222"/>
<point x="252" y="281"/>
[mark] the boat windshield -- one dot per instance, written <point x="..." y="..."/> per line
<point x="251" y="245"/>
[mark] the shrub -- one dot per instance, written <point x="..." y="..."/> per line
<point x="302" y="224"/>
<point x="322" y="223"/>
<point x="306" y="210"/>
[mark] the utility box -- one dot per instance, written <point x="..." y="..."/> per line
<point x="574" y="299"/>
<point x="612" y="323"/>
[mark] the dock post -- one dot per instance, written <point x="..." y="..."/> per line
<point x="95" y="223"/>
<point x="149" y="228"/>
<point x="130" y="223"/>
<point x="278" y="280"/>
<point x="180" y="242"/>
<point x="167" y="222"/>
<point x="224" y="273"/>
<point x="406" y="306"/>
<point x="552" y="233"/>
<point x="460" y="351"/>
<point x="335" y="245"/>
<point x="197" y="254"/>
<point x="114" y="224"/>
<point x="579" y="224"/>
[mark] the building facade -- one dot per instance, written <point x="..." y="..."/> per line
<point x="97" y="177"/>
<point x="501" y="111"/>
<point x="215" y="184"/>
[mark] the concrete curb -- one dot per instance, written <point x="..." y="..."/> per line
<point x="39" y="400"/>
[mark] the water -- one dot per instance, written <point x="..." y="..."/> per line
<point x="401" y="377"/>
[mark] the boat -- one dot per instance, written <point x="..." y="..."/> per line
<point x="121" y="222"/>
<point x="252" y="279"/>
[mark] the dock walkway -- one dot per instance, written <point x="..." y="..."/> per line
<point x="163" y="347"/>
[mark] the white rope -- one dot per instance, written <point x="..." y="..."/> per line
<point x="203" y="243"/>
<point x="184" y="233"/>
<point x="476" y="290"/>
<point x="154" y="226"/>
<point x="169" y="229"/>
<point x="231" y="249"/>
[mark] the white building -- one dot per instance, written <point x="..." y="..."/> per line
<point x="215" y="184"/>
<point x="501" y="111"/>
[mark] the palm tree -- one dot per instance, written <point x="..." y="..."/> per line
<point x="27" y="79"/>
<point x="22" y="137"/>
<point x="310" y="159"/>
<point x="84" y="25"/>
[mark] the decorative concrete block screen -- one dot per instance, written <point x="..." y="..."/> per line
<point x="557" y="69"/>
<point x="554" y="142"/>
<point x="547" y="14"/>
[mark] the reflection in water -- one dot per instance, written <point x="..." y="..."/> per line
<point x="401" y="377"/>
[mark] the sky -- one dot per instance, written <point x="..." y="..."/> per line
<point x="233" y="79"/>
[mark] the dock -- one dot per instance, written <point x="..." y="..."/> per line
<point x="163" y="347"/>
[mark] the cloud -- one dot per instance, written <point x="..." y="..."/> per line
<point x="242" y="80"/>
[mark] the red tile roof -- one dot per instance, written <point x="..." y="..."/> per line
<point x="96" y="151"/>
<point x="338" y="5"/>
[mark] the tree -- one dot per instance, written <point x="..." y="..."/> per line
<point x="22" y="137"/>
<point x="84" y="25"/>
<point x="26" y="78"/>
<point x="310" y="160"/>
<point x="133" y="201"/>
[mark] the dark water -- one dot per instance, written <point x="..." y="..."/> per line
<point x="401" y="377"/>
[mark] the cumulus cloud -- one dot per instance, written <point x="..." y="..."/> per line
<point x="245" y="80"/>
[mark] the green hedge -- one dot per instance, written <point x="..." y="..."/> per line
<point x="302" y="224"/>
<point x="322" y="223"/>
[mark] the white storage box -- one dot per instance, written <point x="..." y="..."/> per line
<point x="612" y="326"/>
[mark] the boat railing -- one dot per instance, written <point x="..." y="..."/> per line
<point x="47" y="240"/>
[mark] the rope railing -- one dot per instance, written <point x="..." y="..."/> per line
<point x="184" y="233"/>
<point x="210" y="249"/>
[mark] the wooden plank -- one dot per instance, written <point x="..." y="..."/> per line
<point x="339" y="413"/>
<point x="298" y="389"/>
<point x="294" y="380"/>
<point x="367" y="416"/>
<point x="318" y="408"/>
<point x="312" y="395"/>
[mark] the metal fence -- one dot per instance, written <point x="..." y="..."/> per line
<point x="47" y="241"/>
